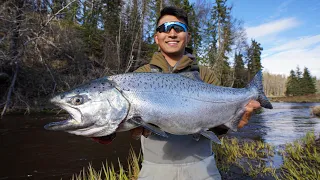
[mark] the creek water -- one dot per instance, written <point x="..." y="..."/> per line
<point x="28" y="151"/>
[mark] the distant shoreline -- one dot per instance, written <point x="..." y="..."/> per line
<point x="313" y="98"/>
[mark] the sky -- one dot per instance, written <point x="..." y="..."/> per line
<point x="288" y="31"/>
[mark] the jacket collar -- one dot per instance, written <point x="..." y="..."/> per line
<point x="159" y="61"/>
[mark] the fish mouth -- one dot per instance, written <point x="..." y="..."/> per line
<point x="72" y="123"/>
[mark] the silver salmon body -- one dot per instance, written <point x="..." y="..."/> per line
<point x="179" y="104"/>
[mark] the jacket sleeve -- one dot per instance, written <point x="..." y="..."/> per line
<point x="145" y="68"/>
<point x="208" y="76"/>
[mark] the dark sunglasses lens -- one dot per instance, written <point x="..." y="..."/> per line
<point x="176" y="27"/>
<point x="161" y="28"/>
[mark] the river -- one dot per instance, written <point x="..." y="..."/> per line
<point x="27" y="151"/>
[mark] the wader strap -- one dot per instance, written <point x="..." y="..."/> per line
<point x="155" y="69"/>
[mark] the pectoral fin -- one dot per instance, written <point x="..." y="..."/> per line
<point x="154" y="129"/>
<point x="210" y="135"/>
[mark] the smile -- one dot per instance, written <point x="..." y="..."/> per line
<point x="172" y="42"/>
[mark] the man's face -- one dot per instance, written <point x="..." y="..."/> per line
<point x="171" y="43"/>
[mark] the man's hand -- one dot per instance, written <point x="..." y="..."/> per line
<point x="252" y="105"/>
<point x="137" y="132"/>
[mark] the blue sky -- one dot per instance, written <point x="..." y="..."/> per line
<point x="288" y="31"/>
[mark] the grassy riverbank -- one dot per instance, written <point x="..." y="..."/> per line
<point x="297" y="99"/>
<point x="238" y="159"/>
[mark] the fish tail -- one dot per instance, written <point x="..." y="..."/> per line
<point x="256" y="83"/>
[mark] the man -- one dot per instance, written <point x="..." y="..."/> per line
<point x="178" y="157"/>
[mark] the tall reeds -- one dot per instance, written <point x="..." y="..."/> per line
<point x="108" y="171"/>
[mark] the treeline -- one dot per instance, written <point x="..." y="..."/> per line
<point x="300" y="83"/>
<point x="297" y="84"/>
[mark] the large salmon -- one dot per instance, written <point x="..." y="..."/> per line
<point x="174" y="103"/>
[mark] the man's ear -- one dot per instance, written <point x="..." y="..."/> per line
<point x="156" y="38"/>
<point x="189" y="37"/>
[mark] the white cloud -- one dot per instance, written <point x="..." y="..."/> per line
<point x="283" y="62"/>
<point x="272" y="27"/>
<point x="304" y="42"/>
<point x="282" y="8"/>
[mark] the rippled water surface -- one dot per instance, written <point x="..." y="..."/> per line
<point x="27" y="151"/>
<point x="285" y="123"/>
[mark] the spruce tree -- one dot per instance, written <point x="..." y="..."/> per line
<point x="239" y="72"/>
<point x="298" y="90"/>
<point x="292" y="84"/>
<point x="299" y="83"/>
<point x="307" y="83"/>
<point x="254" y="59"/>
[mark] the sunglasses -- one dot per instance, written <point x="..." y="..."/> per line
<point x="177" y="26"/>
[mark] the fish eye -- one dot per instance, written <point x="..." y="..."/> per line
<point x="77" y="100"/>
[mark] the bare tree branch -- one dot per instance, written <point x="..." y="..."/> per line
<point x="53" y="16"/>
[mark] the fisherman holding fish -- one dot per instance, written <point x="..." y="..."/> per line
<point x="180" y="98"/>
<point x="178" y="157"/>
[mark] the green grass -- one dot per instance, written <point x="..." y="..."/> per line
<point x="301" y="161"/>
<point x="108" y="171"/>
<point x="251" y="157"/>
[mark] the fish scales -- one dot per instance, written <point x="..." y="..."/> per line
<point x="144" y="82"/>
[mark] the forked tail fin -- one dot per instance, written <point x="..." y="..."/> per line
<point x="256" y="82"/>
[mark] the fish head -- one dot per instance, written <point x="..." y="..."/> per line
<point x="96" y="109"/>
